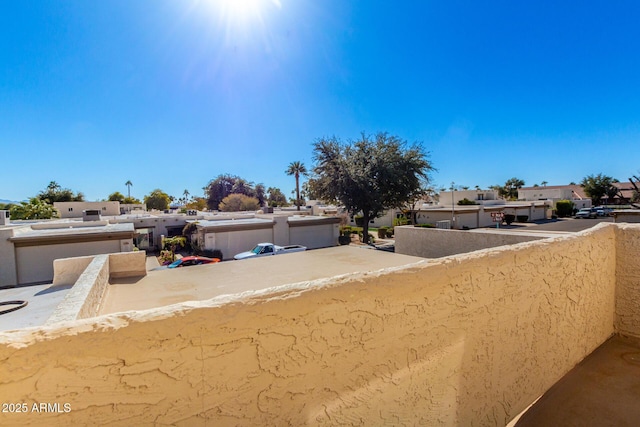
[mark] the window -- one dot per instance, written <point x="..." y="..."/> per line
<point x="70" y="209"/>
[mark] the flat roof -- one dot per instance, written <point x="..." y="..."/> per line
<point x="42" y="301"/>
<point x="201" y="282"/>
<point x="80" y="229"/>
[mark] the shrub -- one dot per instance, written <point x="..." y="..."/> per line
<point x="508" y="218"/>
<point x="345" y="230"/>
<point x="356" y="230"/>
<point x="522" y="218"/>
<point x="564" y="208"/>
<point x="389" y="232"/>
<point x="166" y="257"/>
<point x="400" y="221"/>
<point x="382" y="232"/>
<point x="238" y="202"/>
<point x="466" y="201"/>
<point x="344" y="239"/>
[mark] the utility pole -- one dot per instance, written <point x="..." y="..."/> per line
<point x="453" y="218"/>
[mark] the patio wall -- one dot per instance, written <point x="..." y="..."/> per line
<point x="470" y="339"/>
<point x="437" y="243"/>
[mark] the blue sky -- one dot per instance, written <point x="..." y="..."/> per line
<point x="169" y="94"/>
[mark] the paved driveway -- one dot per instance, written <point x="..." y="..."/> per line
<point x="563" y="224"/>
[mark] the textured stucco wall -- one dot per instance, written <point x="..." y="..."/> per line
<point x="465" y="340"/>
<point x="436" y="243"/>
<point x="8" y="273"/>
<point x="128" y="264"/>
<point x="632" y="215"/>
<point x="35" y="263"/>
<point x="83" y="300"/>
<point x="628" y="277"/>
<point x="315" y="236"/>
<point x="67" y="270"/>
<point x="90" y="279"/>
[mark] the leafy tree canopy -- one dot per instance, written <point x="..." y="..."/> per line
<point x="597" y="186"/>
<point x="119" y="197"/>
<point x="55" y="193"/>
<point x="35" y="208"/>
<point x="157" y="199"/>
<point x="510" y="188"/>
<point x="227" y="184"/>
<point x="197" y="203"/>
<point x="238" y="202"/>
<point x="276" y="197"/>
<point x="260" y="194"/>
<point x="371" y="174"/>
<point x="116" y="197"/>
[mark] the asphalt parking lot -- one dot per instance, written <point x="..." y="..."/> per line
<point x="561" y="224"/>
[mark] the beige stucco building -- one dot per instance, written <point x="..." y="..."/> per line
<point x="555" y="193"/>
<point x="28" y="249"/>
<point x="239" y="235"/>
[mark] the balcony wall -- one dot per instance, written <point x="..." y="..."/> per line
<point x="465" y="340"/>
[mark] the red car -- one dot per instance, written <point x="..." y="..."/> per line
<point x="190" y="260"/>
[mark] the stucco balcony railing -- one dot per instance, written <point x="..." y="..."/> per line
<point x="470" y="339"/>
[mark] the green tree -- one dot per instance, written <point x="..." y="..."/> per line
<point x="296" y="169"/>
<point x="371" y="174"/>
<point x="35" y="208"/>
<point x="197" y="203"/>
<point x="131" y="201"/>
<point x="55" y="193"/>
<point x="129" y="184"/>
<point x="226" y="184"/>
<point x="157" y="199"/>
<point x="309" y="190"/>
<point x="276" y="197"/>
<point x="597" y="186"/>
<point x="511" y="188"/>
<point x="260" y="194"/>
<point x="238" y="202"/>
<point x="564" y="208"/>
<point x="116" y="197"/>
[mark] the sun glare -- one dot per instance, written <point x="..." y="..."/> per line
<point x="245" y="9"/>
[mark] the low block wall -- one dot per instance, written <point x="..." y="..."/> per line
<point x="628" y="277"/>
<point x="466" y="340"/>
<point x="83" y="300"/>
<point x="66" y="271"/>
<point x="437" y="243"/>
<point x="128" y="264"/>
<point x="89" y="277"/>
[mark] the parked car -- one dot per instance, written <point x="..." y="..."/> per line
<point x="266" y="249"/>
<point x="586" y="213"/>
<point x="189" y="260"/>
<point x="602" y="211"/>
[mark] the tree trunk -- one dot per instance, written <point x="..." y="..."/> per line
<point x="298" y="191"/>
<point x="365" y="227"/>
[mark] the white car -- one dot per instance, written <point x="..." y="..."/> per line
<point x="266" y="249"/>
<point x="586" y="213"/>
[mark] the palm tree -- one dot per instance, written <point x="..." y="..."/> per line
<point x="296" y="169"/>
<point x="544" y="183"/>
<point x="186" y="195"/>
<point x="128" y="184"/>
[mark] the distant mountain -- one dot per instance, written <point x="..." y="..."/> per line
<point x="8" y="201"/>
